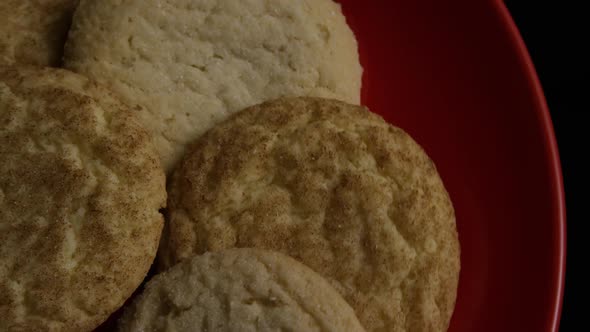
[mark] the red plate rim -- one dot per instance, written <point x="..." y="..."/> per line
<point x="551" y="149"/>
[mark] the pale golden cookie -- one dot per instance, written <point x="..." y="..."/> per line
<point x="33" y="32"/>
<point x="337" y="188"/>
<point x="239" y="290"/>
<point x="191" y="63"/>
<point x="80" y="190"/>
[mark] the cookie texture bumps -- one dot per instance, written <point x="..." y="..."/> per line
<point x="80" y="190"/>
<point x="33" y="32"/>
<point x="240" y="290"/>
<point x="188" y="64"/>
<point x="334" y="186"/>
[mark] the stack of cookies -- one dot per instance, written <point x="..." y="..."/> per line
<point x="221" y="143"/>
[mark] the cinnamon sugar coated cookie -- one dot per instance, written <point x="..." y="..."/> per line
<point x="34" y="31"/>
<point x="191" y="63"/>
<point x="80" y="190"/>
<point x="239" y="290"/>
<point x="337" y="188"/>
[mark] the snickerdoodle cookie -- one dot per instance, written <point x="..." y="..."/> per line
<point x="80" y="191"/>
<point x="240" y="290"/>
<point x="334" y="186"/>
<point x="33" y="32"/>
<point x="191" y="63"/>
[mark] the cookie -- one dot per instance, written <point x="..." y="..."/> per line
<point x="33" y="32"/>
<point x="191" y="63"/>
<point x="334" y="186"/>
<point x="239" y="290"/>
<point x="80" y="191"/>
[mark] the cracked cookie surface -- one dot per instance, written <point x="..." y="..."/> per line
<point x="239" y="290"/>
<point x="33" y="32"/>
<point x="334" y="186"/>
<point x="191" y="63"/>
<point x="80" y="189"/>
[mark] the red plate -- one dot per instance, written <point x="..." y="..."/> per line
<point x="456" y="75"/>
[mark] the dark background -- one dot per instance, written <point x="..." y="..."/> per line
<point x="556" y="34"/>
